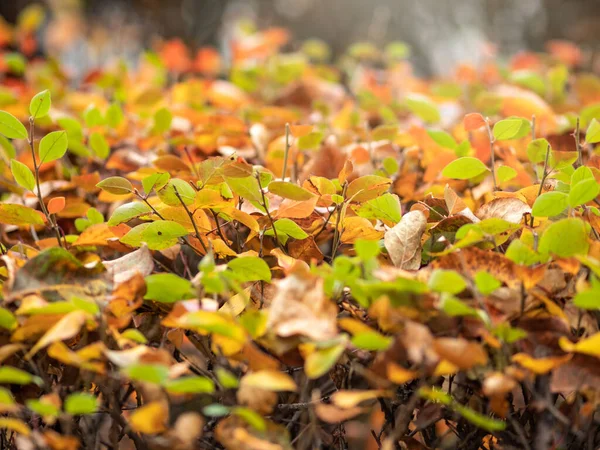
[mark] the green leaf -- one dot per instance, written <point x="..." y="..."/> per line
<point x="464" y="168"/>
<point x="226" y="378"/>
<point x="12" y="375"/>
<point x="7" y="319"/>
<point x="486" y="283"/>
<point x="589" y="299"/>
<point x="512" y="128"/>
<point x="565" y="238"/>
<point x="133" y="236"/>
<point x="7" y="150"/>
<point x="148" y="373"/>
<point x="167" y="288"/>
<point x="509" y="334"/>
<point x="550" y="204"/>
<point x="168" y="194"/>
<point x="583" y="192"/>
<point x="80" y="403"/>
<point x="72" y="127"/>
<point x="246" y="187"/>
<point x="162" y="234"/>
<point x="390" y="165"/>
<point x="250" y="268"/>
<point x="385" y="207"/>
<point x="93" y="117"/>
<point x="290" y="190"/>
<point x="127" y="212"/>
<point x="422" y="107"/>
<point x="42" y="408"/>
<point x="372" y="341"/>
<point x="134" y="335"/>
<point x="94" y="216"/>
<point x="487" y="423"/>
<point x="456" y="308"/>
<point x="385" y="133"/>
<point x="366" y="249"/>
<point x="114" y="115"/>
<point x="581" y="174"/>
<point x="215" y="410"/>
<point x="530" y="80"/>
<point x="40" y="104"/>
<point x="319" y="362"/>
<point x="162" y="121"/>
<point x="521" y="253"/>
<point x="190" y="385"/>
<point x="53" y="146"/>
<point x="99" y="145"/>
<point x="15" y="214"/>
<point x="592" y="136"/>
<point x="116" y="185"/>
<point x="310" y="141"/>
<point x="505" y="173"/>
<point x="536" y="150"/>
<point x="446" y="281"/>
<point x="155" y="181"/>
<point x="22" y="174"/>
<point x="11" y="127"/>
<point x="443" y="139"/>
<point x="290" y="228"/>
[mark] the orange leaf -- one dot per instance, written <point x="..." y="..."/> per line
<point x="56" y="205"/>
<point x="473" y="121"/>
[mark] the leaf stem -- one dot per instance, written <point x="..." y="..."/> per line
<point x="544" y="175"/>
<point x="36" y="168"/>
<point x="264" y="205"/>
<point x="578" y="144"/>
<point x="336" y="232"/>
<point x="287" y="150"/>
<point x="492" y="155"/>
<point x="191" y="216"/>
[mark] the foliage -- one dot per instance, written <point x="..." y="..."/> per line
<point x="206" y="255"/>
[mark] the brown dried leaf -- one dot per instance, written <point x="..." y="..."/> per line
<point x="403" y="242"/>
<point x="507" y="208"/>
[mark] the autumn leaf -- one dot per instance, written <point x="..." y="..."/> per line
<point x="403" y="241"/>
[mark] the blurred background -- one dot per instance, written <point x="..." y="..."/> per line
<point x="441" y="33"/>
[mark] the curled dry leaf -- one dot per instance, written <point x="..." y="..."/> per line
<point x="507" y="208"/>
<point x="124" y="268"/>
<point x="300" y="307"/>
<point x="403" y="241"/>
<point x="460" y="352"/>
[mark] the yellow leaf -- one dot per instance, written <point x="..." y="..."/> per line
<point x="350" y="399"/>
<point x="16" y="425"/>
<point x="445" y="367"/>
<point x="150" y="418"/>
<point x="269" y="380"/>
<point x="399" y="375"/>
<point x="540" y="366"/>
<point x="65" y="328"/>
<point x="589" y="346"/>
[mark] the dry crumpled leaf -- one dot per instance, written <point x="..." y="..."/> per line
<point x="260" y="400"/>
<point x="300" y="307"/>
<point x="509" y="209"/>
<point x="403" y="242"/>
<point x="460" y="352"/>
<point x="124" y="268"/>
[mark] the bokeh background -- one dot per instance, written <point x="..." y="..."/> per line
<point x="87" y="33"/>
